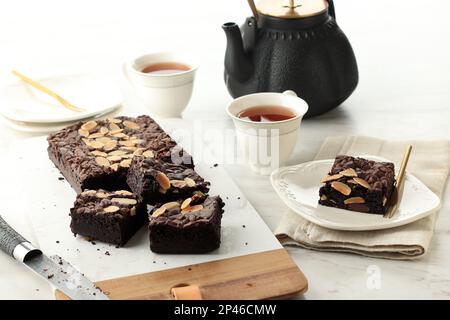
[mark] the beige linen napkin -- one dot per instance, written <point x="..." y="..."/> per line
<point x="430" y="162"/>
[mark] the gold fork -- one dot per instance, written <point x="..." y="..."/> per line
<point x="46" y="90"/>
<point x="398" y="189"/>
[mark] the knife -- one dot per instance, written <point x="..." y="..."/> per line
<point x="54" y="269"/>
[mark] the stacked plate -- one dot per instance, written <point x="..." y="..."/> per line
<point x="23" y="108"/>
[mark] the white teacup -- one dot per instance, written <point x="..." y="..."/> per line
<point x="164" y="94"/>
<point x="267" y="145"/>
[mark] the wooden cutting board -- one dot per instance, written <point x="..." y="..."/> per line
<point x="266" y="275"/>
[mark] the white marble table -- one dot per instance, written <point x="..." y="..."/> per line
<point x="402" y="48"/>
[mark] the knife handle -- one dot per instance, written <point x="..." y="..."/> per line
<point x="12" y="243"/>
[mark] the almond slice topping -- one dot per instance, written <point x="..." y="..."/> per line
<point x="341" y="187"/>
<point x="350" y="172"/>
<point x="83" y="133"/>
<point x="148" y="154"/>
<point x="362" y="182"/>
<point x="163" y="180"/>
<point x="170" y="205"/>
<point x="178" y="183"/>
<point x="119" y="135"/>
<point x="117" y="153"/>
<point x="138" y="152"/>
<point x="186" y="203"/>
<point x="124" y="201"/>
<point x="111" y="209"/>
<point x="114" y="120"/>
<point x="133" y="211"/>
<point x="125" y="163"/>
<point x="102" y="162"/>
<point x="131" y="125"/>
<point x="96" y="135"/>
<point x="101" y="195"/>
<point x="89" y="126"/>
<point x="114" y="167"/>
<point x="114" y="158"/>
<point x="195" y="208"/>
<point x="127" y="143"/>
<point x="354" y="200"/>
<point x="123" y="193"/>
<point x="103" y="140"/>
<point x="331" y="178"/>
<point x="384" y="201"/>
<point x="110" y="145"/>
<point x="113" y="127"/>
<point x="323" y="197"/>
<point x="190" y="182"/>
<point x="96" y="145"/>
<point x="158" y="212"/>
<point x="99" y="153"/>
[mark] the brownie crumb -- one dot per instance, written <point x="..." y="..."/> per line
<point x="93" y="243"/>
<point x="154" y="261"/>
<point x="246" y="243"/>
<point x="243" y="226"/>
<point x="57" y="241"/>
<point x="60" y="178"/>
<point x="50" y="276"/>
<point x="37" y="289"/>
<point x="98" y="249"/>
<point x="107" y="253"/>
<point x="216" y="165"/>
<point x="189" y="269"/>
<point x="239" y="198"/>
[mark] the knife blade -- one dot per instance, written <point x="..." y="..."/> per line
<point x="54" y="269"/>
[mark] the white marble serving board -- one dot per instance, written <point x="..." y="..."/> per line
<point x="47" y="200"/>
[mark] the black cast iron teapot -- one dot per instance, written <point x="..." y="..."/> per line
<point x="291" y="45"/>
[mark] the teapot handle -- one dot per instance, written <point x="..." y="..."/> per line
<point x="331" y="9"/>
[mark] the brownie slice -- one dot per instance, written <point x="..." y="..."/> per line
<point x="112" y="217"/>
<point x="154" y="181"/>
<point x="97" y="154"/>
<point x="358" y="184"/>
<point x="189" y="226"/>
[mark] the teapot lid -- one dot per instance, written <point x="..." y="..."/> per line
<point x="292" y="9"/>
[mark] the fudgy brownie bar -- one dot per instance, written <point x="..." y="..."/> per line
<point x="112" y="217"/>
<point x="358" y="184"/>
<point x="154" y="181"/>
<point x="189" y="226"/>
<point x="97" y="154"/>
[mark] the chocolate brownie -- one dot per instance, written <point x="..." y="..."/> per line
<point x="97" y="154"/>
<point x="189" y="226"/>
<point x="358" y="184"/>
<point x="108" y="216"/>
<point x="154" y="181"/>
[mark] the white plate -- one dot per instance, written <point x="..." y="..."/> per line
<point x="298" y="186"/>
<point x="95" y="94"/>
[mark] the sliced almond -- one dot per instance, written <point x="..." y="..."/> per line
<point x="96" y="135"/>
<point x="163" y="180"/>
<point x="102" y="162"/>
<point x="138" y="152"/>
<point x="351" y="181"/>
<point x="114" y="167"/>
<point x="131" y="125"/>
<point x="114" y="158"/>
<point x="117" y="153"/>
<point x="137" y="141"/>
<point x="89" y="126"/>
<point x="96" y="145"/>
<point x="331" y="178"/>
<point x="99" y="153"/>
<point x="186" y="203"/>
<point x="341" y="187"/>
<point x="113" y="127"/>
<point x="124" y="201"/>
<point x="110" y="145"/>
<point x="114" y="120"/>
<point x="104" y="140"/>
<point x="111" y="209"/>
<point x="131" y="149"/>
<point x="158" y="212"/>
<point x="133" y="211"/>
<point x="119" y="135"/>
<point x="123" y="193"/>
<point x="170" y="205"/>
<point x="178" y="183"/>
<point x="101" y="195"/>
<point x="125" y="163"/>
<point x="323" y="197"/>
<point x="148" y="154"/>
<point x="190" y="182"/>
<point x="362" y="182"/>
<point x="195" y="208"/>
<point x="350" y="172"/>
<point x="83" y="133"/>
<point x="114" y="132"/>
<point x="86" y="141"/>
<point x="127" y="143"/>
<point x="104" y="130"/>
<point x="384" y="201"/>
<point x="354" y="200"/>
<point x="88" y="193"/>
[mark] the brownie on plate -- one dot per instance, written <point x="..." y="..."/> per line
<point x="188" y="226"/>
<point x="154" y="181"/>
<point x="358" y="184"/>
<point x="108" y="216"/>
<point x="97" y="154"/>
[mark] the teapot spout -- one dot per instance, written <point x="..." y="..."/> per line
<point x="237" y="61"/>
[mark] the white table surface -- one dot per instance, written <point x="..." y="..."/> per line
<point x="403" y="51"/>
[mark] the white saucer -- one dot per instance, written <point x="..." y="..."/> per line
<point x="298" y="186"/>
<point x="96" y="94"/>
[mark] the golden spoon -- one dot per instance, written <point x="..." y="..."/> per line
<point x="398" y="189"/>
<point x="46" y="90"/>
